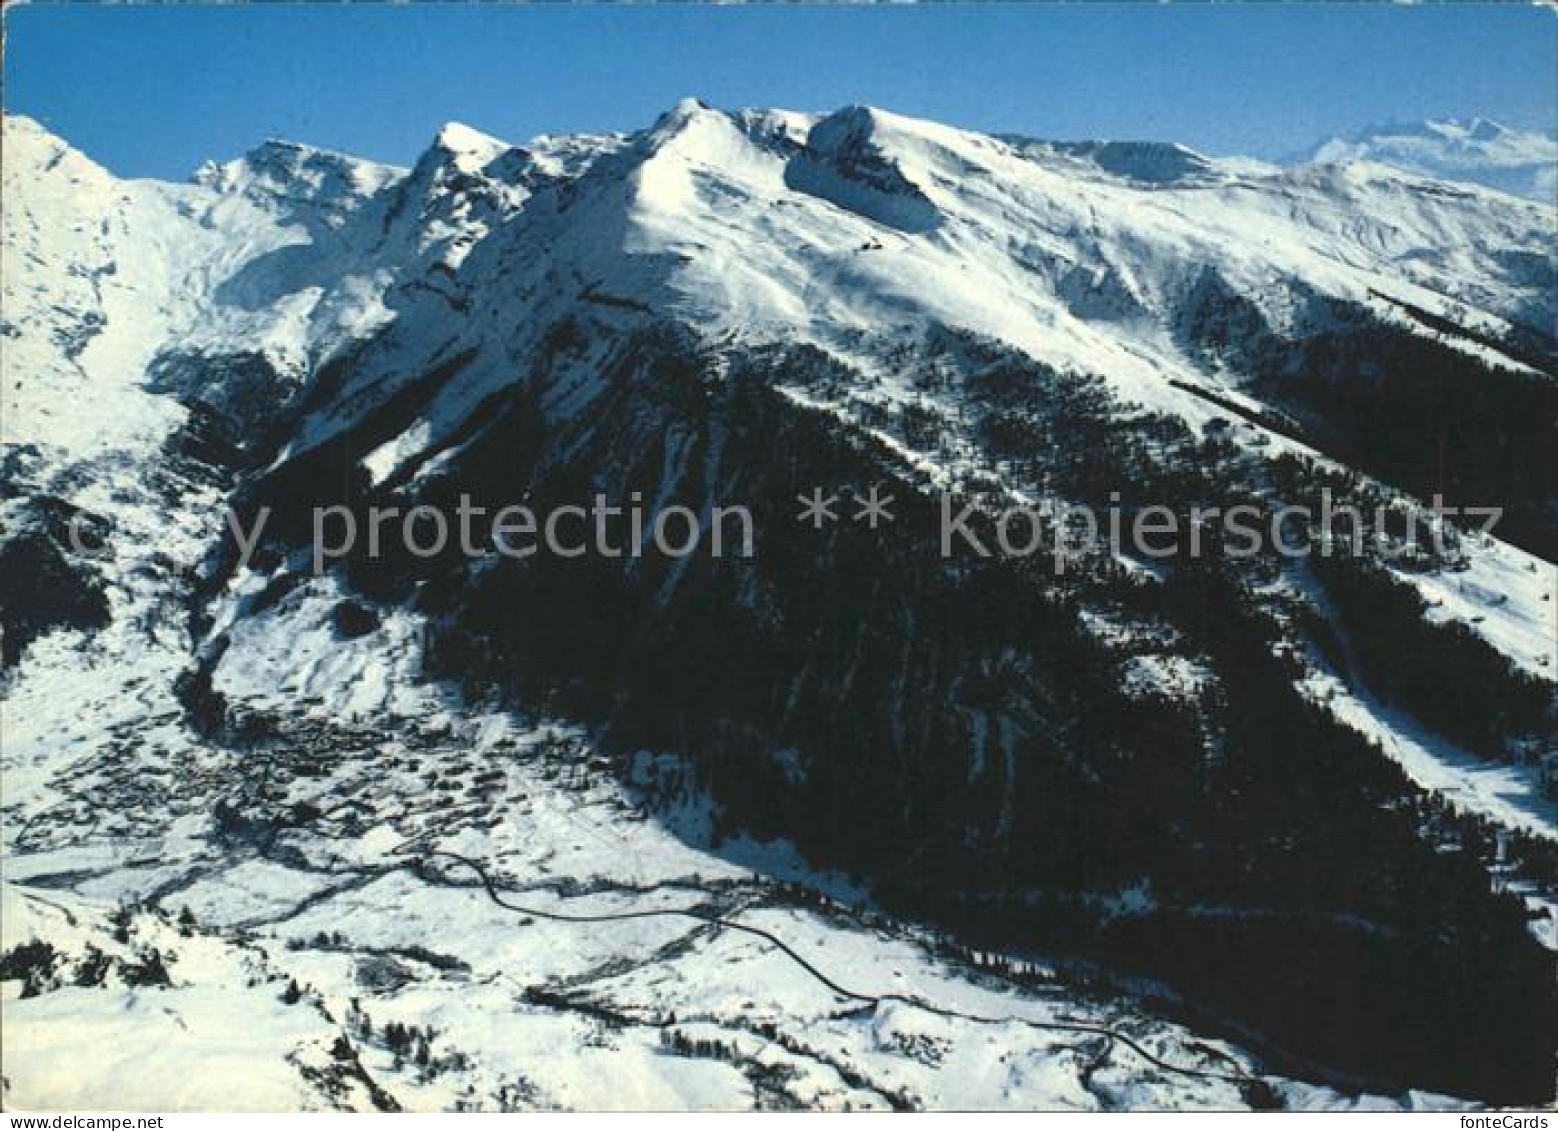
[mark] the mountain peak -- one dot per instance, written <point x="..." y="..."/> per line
<point x="685" y="108"/>
<point x="846" y="128"/>
<point x="469" y="148"/>
<point x="32" y="145"/>
<point x="293" y="171"/>
<point x="1449" y="129"/>
<point x="687" y="112"/>
<point x="1483" y="129"/>
<point x="21" y="126"/>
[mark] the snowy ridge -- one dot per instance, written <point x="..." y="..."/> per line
<point x="750" y="231"/>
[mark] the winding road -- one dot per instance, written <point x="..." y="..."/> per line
<point x="497" y="896"/>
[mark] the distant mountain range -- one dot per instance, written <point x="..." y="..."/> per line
<point x="1522" y="162"/>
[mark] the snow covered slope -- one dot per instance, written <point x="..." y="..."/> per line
<point x="323" y="769"/>
<point x="100" y="274"/>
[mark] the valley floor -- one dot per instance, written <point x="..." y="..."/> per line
<point x="270" y="925"/>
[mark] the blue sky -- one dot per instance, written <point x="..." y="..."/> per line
<point x="154" y="91"/>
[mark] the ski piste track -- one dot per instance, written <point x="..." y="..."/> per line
<point x="495" y="894"/>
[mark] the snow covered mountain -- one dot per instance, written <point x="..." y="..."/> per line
<point x="920" y="831"/>
<point x="1520" y="162"/>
